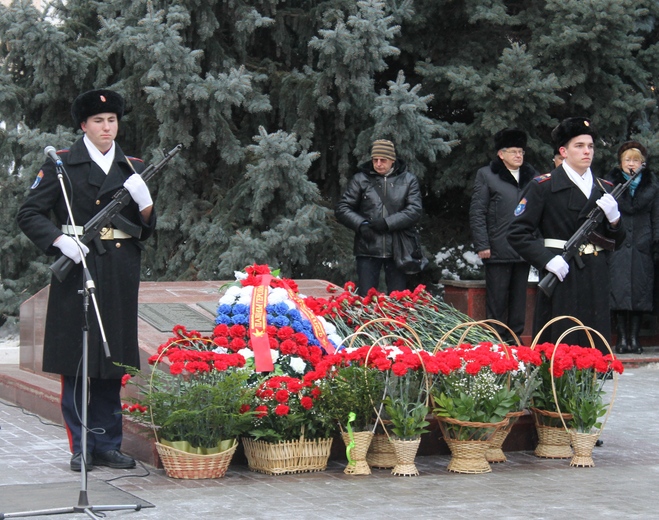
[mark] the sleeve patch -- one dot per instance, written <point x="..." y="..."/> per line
<point x="520" y="207"/>
<point x="37" y="181"/>
<point x="542" y="178"/>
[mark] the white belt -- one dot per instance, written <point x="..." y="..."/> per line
<point x="585" y="249"/>
<point x="107" y="233"/>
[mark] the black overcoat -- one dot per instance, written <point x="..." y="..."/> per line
<point x="115" y="268"/>
<point x="361" y="202"/>
<point x="553" y="205"/>
<point x="632" y="266"/>
<point x="495" y="196"/>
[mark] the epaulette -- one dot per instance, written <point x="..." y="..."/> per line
<point x="542" y="178"/>
<point x="131" y="158"/>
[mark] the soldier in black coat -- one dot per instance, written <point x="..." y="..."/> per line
<point x="96" y="169"/>
<point x="555" y="205"/>
<point x="497" y="190"/>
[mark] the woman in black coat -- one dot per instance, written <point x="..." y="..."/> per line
<point x="632" y="265"/>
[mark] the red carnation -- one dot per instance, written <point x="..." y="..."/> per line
<point x="282" y="409"/>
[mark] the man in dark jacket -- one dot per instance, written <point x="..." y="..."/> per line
<point x="381" y="198"/>
<point x="96" y="169"/>
<point x="555" y="205"/>
<point x="497" y="190"/>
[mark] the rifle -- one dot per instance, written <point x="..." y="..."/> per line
<point x="584" y="234"/>
<point x="103" y="218"/>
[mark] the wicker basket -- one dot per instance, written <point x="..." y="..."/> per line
<point x="553" y="438"/>
<point x="185" y="465"/>
<point x="495" y="452"/>
<point x="278" y="458"/>
<point x="358" y="466"/>
<point x="405" y="451"/>
<point x="468" y="442"/>
<point x="583" y="444"/>
<point x="381" y="453"/>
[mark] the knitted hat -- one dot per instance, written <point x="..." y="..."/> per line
<point x="570" y="128"/>
<point x="95" y="102"/>
<point x="383" y="148"/>
<point x="632" y="144"/>
<point x="509" y="138"/>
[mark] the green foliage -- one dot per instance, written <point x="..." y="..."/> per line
<point x="353" y="389"/>
<point x="203" y="408"/>
<point x="464" y="407"/>
<point x="408" y="419"/>
<point x="325" y="78"/>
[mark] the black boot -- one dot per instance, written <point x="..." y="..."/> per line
<point x="634" y="329"/>
<point x="622" y="345"/>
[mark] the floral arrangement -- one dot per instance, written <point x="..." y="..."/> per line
<point x="352" y="386"/>
<point x="483" y="383"/>
<point x="579" y="375"/>
<point x="287" y="407"/>
<point x="429" y="319"/>
<point x="295" y="343"/>
<point x="202" y="398"/>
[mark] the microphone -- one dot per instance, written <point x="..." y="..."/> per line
<point x="52" y="153"/>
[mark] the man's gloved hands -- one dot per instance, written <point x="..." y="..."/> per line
<point x="69" y="247"/>
<point x="138" y="191"/>
<point x="609" y="206"/>
<point x="366" y="231"/>
<point x="558" y="266"/>
<point x="380" y="225"/>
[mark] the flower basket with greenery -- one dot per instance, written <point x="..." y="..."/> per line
<point x="291" y="433"/>
<point x="578" y="376"/>
<point x="473" y="385"/>
<point x="200" y="400"/>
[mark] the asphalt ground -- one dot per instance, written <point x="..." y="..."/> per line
<point x="622" y="484"/>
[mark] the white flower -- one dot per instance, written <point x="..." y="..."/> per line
<point x="221" y="350"/>
<point x="231" y="295"/>
<point x="246" y="295"/>
<point x="246" y="353"/>
<point x="277" y="295"/>
<point x="240" y="275"/>
<point x="336" y="339"/>
<point x="330" y="328"/>
<point x="297" y="364"/>
<point x="392" y="352"/>
<point x="274" y="354"/>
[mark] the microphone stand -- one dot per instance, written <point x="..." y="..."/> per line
<point x="87" y="292"/>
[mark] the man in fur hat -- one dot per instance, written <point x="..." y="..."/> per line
<point x="95" y="169"/>
<point x="551" y="210"/>
<point x="497" y="190"/>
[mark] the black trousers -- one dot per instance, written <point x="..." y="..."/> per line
<point x="368" y="274"/>
<point x="505" y="295"/>
<point x="104" y="419"/>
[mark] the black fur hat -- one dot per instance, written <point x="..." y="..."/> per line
<point x="509" y="138"/>
<point x="570" y="128"/>
<point x="95" y="102"/>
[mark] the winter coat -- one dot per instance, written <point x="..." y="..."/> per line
<point x="553" y="205"/>
<point x="361" y="202"/>
<point x="115" y="269"/>
<point x="632" y="266"/>
<point x="495" y="196"/>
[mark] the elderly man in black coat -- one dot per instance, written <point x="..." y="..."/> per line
<point x="497" y="190"/>
<point x="96" y="169"/>
<point x="552" y="208"/>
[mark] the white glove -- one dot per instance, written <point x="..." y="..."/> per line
<point x="609" y="206"/>
<point x="138" y="191"/>
<point x="71" y="247"/>
<point x="558" y="266"/>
